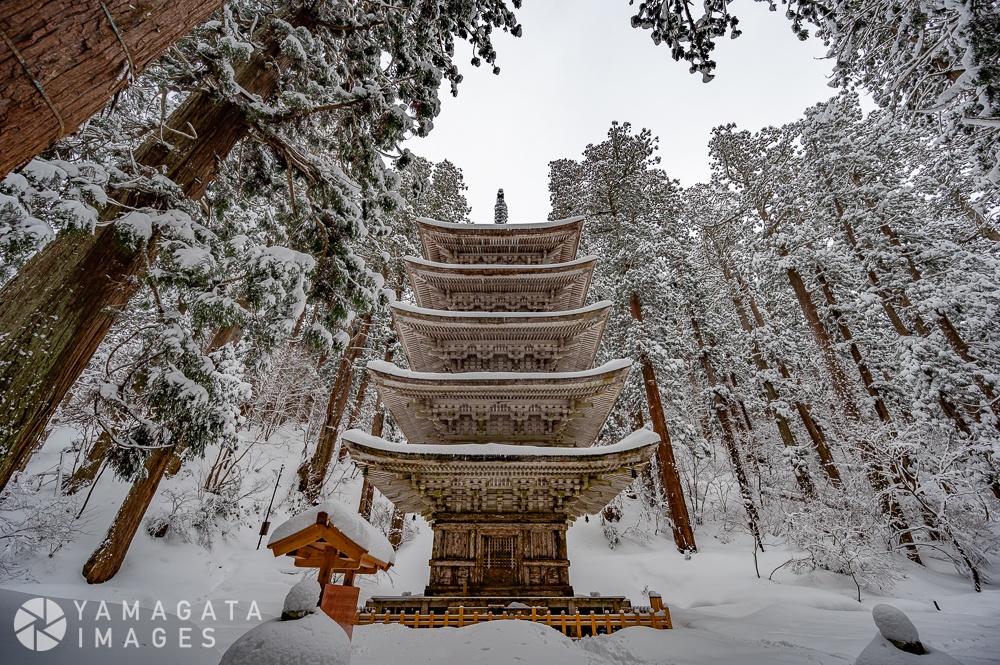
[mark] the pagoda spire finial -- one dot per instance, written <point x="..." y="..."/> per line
<point x="500" y="210"/>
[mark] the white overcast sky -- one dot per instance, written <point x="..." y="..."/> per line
<point x="579" y="66"/>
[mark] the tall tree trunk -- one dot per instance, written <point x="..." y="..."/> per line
<point x="86" y="472"/>
<point x="396" y="528"/>
<point x="57" y="310"/>
<point x="107" y="559"/>
<point x="978" y="219"/>
<point x="881" y="410"/>
<point x="942" y="319"/>
<point x="784" y="429"/>
<point x="815" y="432"/>
<point x="955" y="340"/>
<point x="828" y="349"/>
<point x="889" y="301"/>
<point x="359" y="400"/>
<point x="367" y="500"/>
<point x="735" y="458"/>
<point x="878" y="476"/>
<point x="312" y="474"/>
<point x="368" y="490"/>
<point x="670" y="480"/>
<point x="62" y="60"/>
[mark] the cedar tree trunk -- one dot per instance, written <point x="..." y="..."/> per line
<point x="57" y="310"/>
<point x="62" y="60"/>
<point x="107" y="559"/>
<point x="312" y="474"/>
<point x="669" y="478"/>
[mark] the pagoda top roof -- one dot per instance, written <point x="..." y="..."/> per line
<point x="496" y="478"/>
<point x="443" y="341"/>
<point x="547" y="408"/>
<point x="545" y="242"/>
<point x="490" y="288"/>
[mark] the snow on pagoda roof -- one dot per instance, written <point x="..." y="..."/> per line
<point x="500" y="451"/>
<point x="548" y="408"/>
<point x="498" y="316"/>
<point x="500" y="378"/>
<point x="494" y="478"/>
<point x="545" y="242"/>
<point x="443" y="341"/>
<point x="462" y="226"/>
<point x="500" y="288"/>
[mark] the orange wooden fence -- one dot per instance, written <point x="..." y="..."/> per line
<point x="574" y="625"/>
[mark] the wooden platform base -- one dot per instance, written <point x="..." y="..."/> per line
<point x="496" y="604"/>
<point x="574" y="625"/>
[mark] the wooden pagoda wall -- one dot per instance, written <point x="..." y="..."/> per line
<point x="499" y="555"/>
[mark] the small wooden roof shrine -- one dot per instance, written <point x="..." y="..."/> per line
<point x="512" y="479"/>
<point x="543" y="408"/>
<point x="547" y="242"/>
<point x="436" y="341"/>
<point x="500" y="288"/>
<point x="320" y="544"/>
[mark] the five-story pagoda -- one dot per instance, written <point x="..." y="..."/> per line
<point x="500" y="408"/>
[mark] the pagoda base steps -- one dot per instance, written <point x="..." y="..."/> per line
<point x="496" y="604"/>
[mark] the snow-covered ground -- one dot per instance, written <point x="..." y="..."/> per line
<point x="723" y="612"/>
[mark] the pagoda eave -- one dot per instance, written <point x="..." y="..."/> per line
<point x="480" y="407"/>
<point x="437" y="481"/>
<point x="546" y="242"/>
<point x="500" y="288"/>
<point x="443" y="341"/>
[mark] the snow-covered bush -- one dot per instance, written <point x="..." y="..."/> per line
<point x="196" y="517"/>
<point x="32" y="521"/>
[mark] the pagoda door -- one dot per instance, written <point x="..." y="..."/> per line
<point x="499" y="559"/>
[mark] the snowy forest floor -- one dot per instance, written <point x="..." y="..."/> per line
<point x="723" y="612"/>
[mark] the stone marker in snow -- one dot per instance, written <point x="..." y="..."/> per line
<point x="898" y="642"/>
<point x="312" y="638"/>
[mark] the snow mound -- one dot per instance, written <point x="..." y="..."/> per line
<point x="302" y="599"/>
<point x="894" y="625"/>
<point x="881" y="651"/>
<point x="346" y="520"/>
<point x="492" y="643"/>
<point x="313" y="640"/>
<point x="898" y="642"/>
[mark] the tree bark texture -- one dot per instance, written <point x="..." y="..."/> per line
<point x="313" y="472"/>
<point x="827" y="347"/>
<point x="87" y="471"/>
<point x="62" y="60"/>
<point x="670" y="480"/>
<point x="57" y="310"/>
<point x="396" y="528"/>
<point x="359" y="401"/>
<point x="107" y="559"/>
<point x="367" y="500"/>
